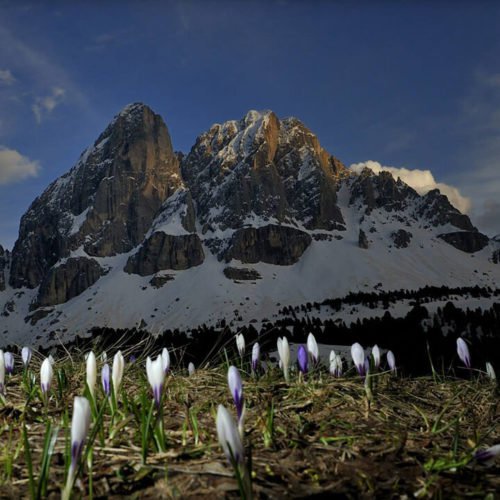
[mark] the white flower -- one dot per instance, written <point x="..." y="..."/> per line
<point x="336" y="365"/>
<point x="46" y="373"/>
<point x="358" y="357"/>
<point x="376" y="356"/>
<point x="26" y="355"/>
<point x="312" y="347"/>
<point x="255" y="356"/>
<point x="490" y="371"/>
<point x="463" y="352"/>
<point x="191" y="369"/>
<point x="240" y="344"/>
<point x="391" y="361"/>
<point x="229" y="436"/>
<point x="80" y="424"/>
<point x="117" y="373"/>
<point x="91" y="372"/>
<point x="284" y="354"/>
<point x="156" y="377"/>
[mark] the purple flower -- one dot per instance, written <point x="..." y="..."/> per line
<point x="302" y="359"/>
<point x="236" y="389"/>
<point x="156" y="377"/>
<point x="488" y="455"/>
<point x="463" y="352"/>
<point x="106" y="377"/>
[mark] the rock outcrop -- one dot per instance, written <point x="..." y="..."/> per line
<point x="68" y="280"/>
<point x="272" y="244"/>
<point x="467" y="241"/>
<point x="436" y="208"/>
<point x="106" y="203"/>
<point x="241" y="274"/>
<point x="165" y="251"/>
<point x="401" y="238"/>
<point x="363" y="240"/>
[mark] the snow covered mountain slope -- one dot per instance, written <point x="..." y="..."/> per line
<point x="257" y="216"/>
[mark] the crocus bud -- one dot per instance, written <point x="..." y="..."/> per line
<point x="9" y="362"/>
<point x="166" y="360"/>
<point x="91" y="372"/>
<point x="488" y="455"/>
<point x="240" y="344"/>
<point x="490" y="371"/>
<point x="191" y="369"/>
<point x="302" y="359"/>
<point x="358" y="358"/>
<point x="2" y="372"/>
<point x="156" y="377"/>
<point x="117" y="374"/>
<point x="46" y="373"/>
<point x="26" y="355"/>
<point x="255" y="356"/>
<point x="229" y="437"/>
<point x="312" y="348"/>
<point x="463" y="352"/>
<point x="236" y="388"/>
<point x="284" y="354"/>
<point x="335" y="364"/>
<point x="80" y="424"/>
<point x="391" y="361"/>
<point x="106" y="376"/>
<point x="376" y="356"/>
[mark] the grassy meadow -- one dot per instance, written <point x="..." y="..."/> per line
<point x="316" y="435"/>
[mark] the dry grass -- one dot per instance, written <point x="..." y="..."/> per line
<point x="415" y="438"/>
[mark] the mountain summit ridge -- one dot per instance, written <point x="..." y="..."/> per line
<point x="257" y="197"/>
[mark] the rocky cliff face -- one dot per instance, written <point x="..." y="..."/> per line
<point x="164" y="251"/>
<point x="266" y="168"/>
<point x="67" y="280"/>
<point x="106" y="203"/>
<point x="4" y="261"/>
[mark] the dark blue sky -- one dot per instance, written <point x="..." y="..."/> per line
<point x="406" y="84"/>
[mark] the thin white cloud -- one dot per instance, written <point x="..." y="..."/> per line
<point x="45" y="105"/>
<point x="15" y="167"/>
<point x="6" y="77"/>
<point x="422" y="181"/>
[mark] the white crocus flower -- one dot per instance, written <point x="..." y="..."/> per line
<point x="358" y="358"/>
<point x="284" y="354"/>
<point x="240" y="344"/>
<point x="376" y="356"/>
<point x="91" y="372"/>
<point x="229" y="437"/>
<point x="117" y="372"/>
<point x="156" y="377"/>
<point x="46" y="374"/>
<point x="312" y="348"/>
<point x="80" y="424"/>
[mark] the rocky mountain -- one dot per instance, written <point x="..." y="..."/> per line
<point x="257" y="214"/>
